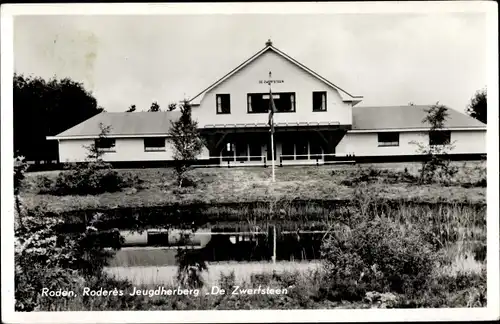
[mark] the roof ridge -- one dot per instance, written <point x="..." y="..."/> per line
<point x="269" y="46"/>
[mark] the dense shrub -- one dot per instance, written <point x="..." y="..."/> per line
<point x="377" y="255"/>
<point x="86" y="179"/>
<point x="370" y="175"/>
<point x="45" y="258"/>
<point x="464" y="289"/>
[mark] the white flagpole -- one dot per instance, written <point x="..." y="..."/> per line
<point x="272" y="155"/>
<point x="272" y="133"/>
<point x="274" y="244"/>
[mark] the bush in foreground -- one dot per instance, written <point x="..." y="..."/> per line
<point x="90" y="178"/>
<point x="378" y="255"/>
<point x="45" y="258"/>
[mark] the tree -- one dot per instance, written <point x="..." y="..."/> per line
<point x="132" y="108"/>
<point x="94" y="153"/>
<point x="186" y="141"/>
<point x="436" y="116"/>
<point x="20" y="167"/>
<point x="436" y="161"/>
<point x="46" y="108"/>
<point x="172" y="106"/>
<point x="411" y="103"/>
<point x="154" y="107"/>
<point x="478" y="106"/>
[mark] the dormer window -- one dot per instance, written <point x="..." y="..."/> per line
<point x="223" y="103"/>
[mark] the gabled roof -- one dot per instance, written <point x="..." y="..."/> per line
<point x="406" y="117"/>
<point x="269" y="47"/>
<point x="123" y="124"/>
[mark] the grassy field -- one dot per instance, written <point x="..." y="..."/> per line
<point x="253" y="184"/>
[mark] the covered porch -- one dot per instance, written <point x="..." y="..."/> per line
<point x="241" y="146"/>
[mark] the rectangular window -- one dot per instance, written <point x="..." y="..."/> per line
<point x="287" y="150"/>
<point x="255" y="151"/>
<point x="228" y="153"/>
<point x="105" y="144"/>
<point x="259" y="102"/>
<point x="154" y="144"/>
<point x="316" y="150"/>
<point x="388" y="139"/>
<point x="439" y="137"/>
<point x="319" y="101"/>
<point x="241" y="151"/>
<point x="223" y="103"/>
<point x="301" y="149"/>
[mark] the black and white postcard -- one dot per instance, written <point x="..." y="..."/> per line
<point x="287" y="161"/>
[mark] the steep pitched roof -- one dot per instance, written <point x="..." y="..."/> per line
<point x="123" y="124"/>
<point x="405" y="117"/>
<point x="269" y="47"/>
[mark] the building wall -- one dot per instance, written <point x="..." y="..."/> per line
<point x="366" y="144"/>
<point x="73" y="150"/>
<point x="359" y="144"/>
<point x="469" y="141"/>
<point x="127" y="149"/>
<point x="295" y="80"/>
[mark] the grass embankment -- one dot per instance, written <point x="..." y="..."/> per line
<point x="222" y="185"/>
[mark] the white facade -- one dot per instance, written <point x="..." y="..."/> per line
<point x="295" y="79"/>
<point x="366" y="143"/>
<point x="126" y="149"/>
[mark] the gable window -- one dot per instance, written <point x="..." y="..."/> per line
<point x="439" y="137"/>
<point x="154" y="144"/>
<point x="319" y="101"/>
<point x="259" y="102"/>
<point x="223" y="103"/>
<point x="388" y="139"/>
<point x="105" y="144"/>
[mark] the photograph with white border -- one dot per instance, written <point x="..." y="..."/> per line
<point x="250" y="162"/>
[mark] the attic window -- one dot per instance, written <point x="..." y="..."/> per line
<point x="223" y="104"/>
<point x="105" y="144"/>
<point x="154" y="144"/>
<point x="319" y="101"/>
<point x="259" y="102"/>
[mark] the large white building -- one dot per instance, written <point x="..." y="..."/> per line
<point x="316" y="121"/>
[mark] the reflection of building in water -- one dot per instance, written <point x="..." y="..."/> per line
<point x="238" y="246"/>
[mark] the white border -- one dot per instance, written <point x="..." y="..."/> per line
<point x="7" y="235"/>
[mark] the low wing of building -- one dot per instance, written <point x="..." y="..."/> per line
<point x="397" y="130"/>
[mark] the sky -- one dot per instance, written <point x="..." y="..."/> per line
<point x="389" y="59"/>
